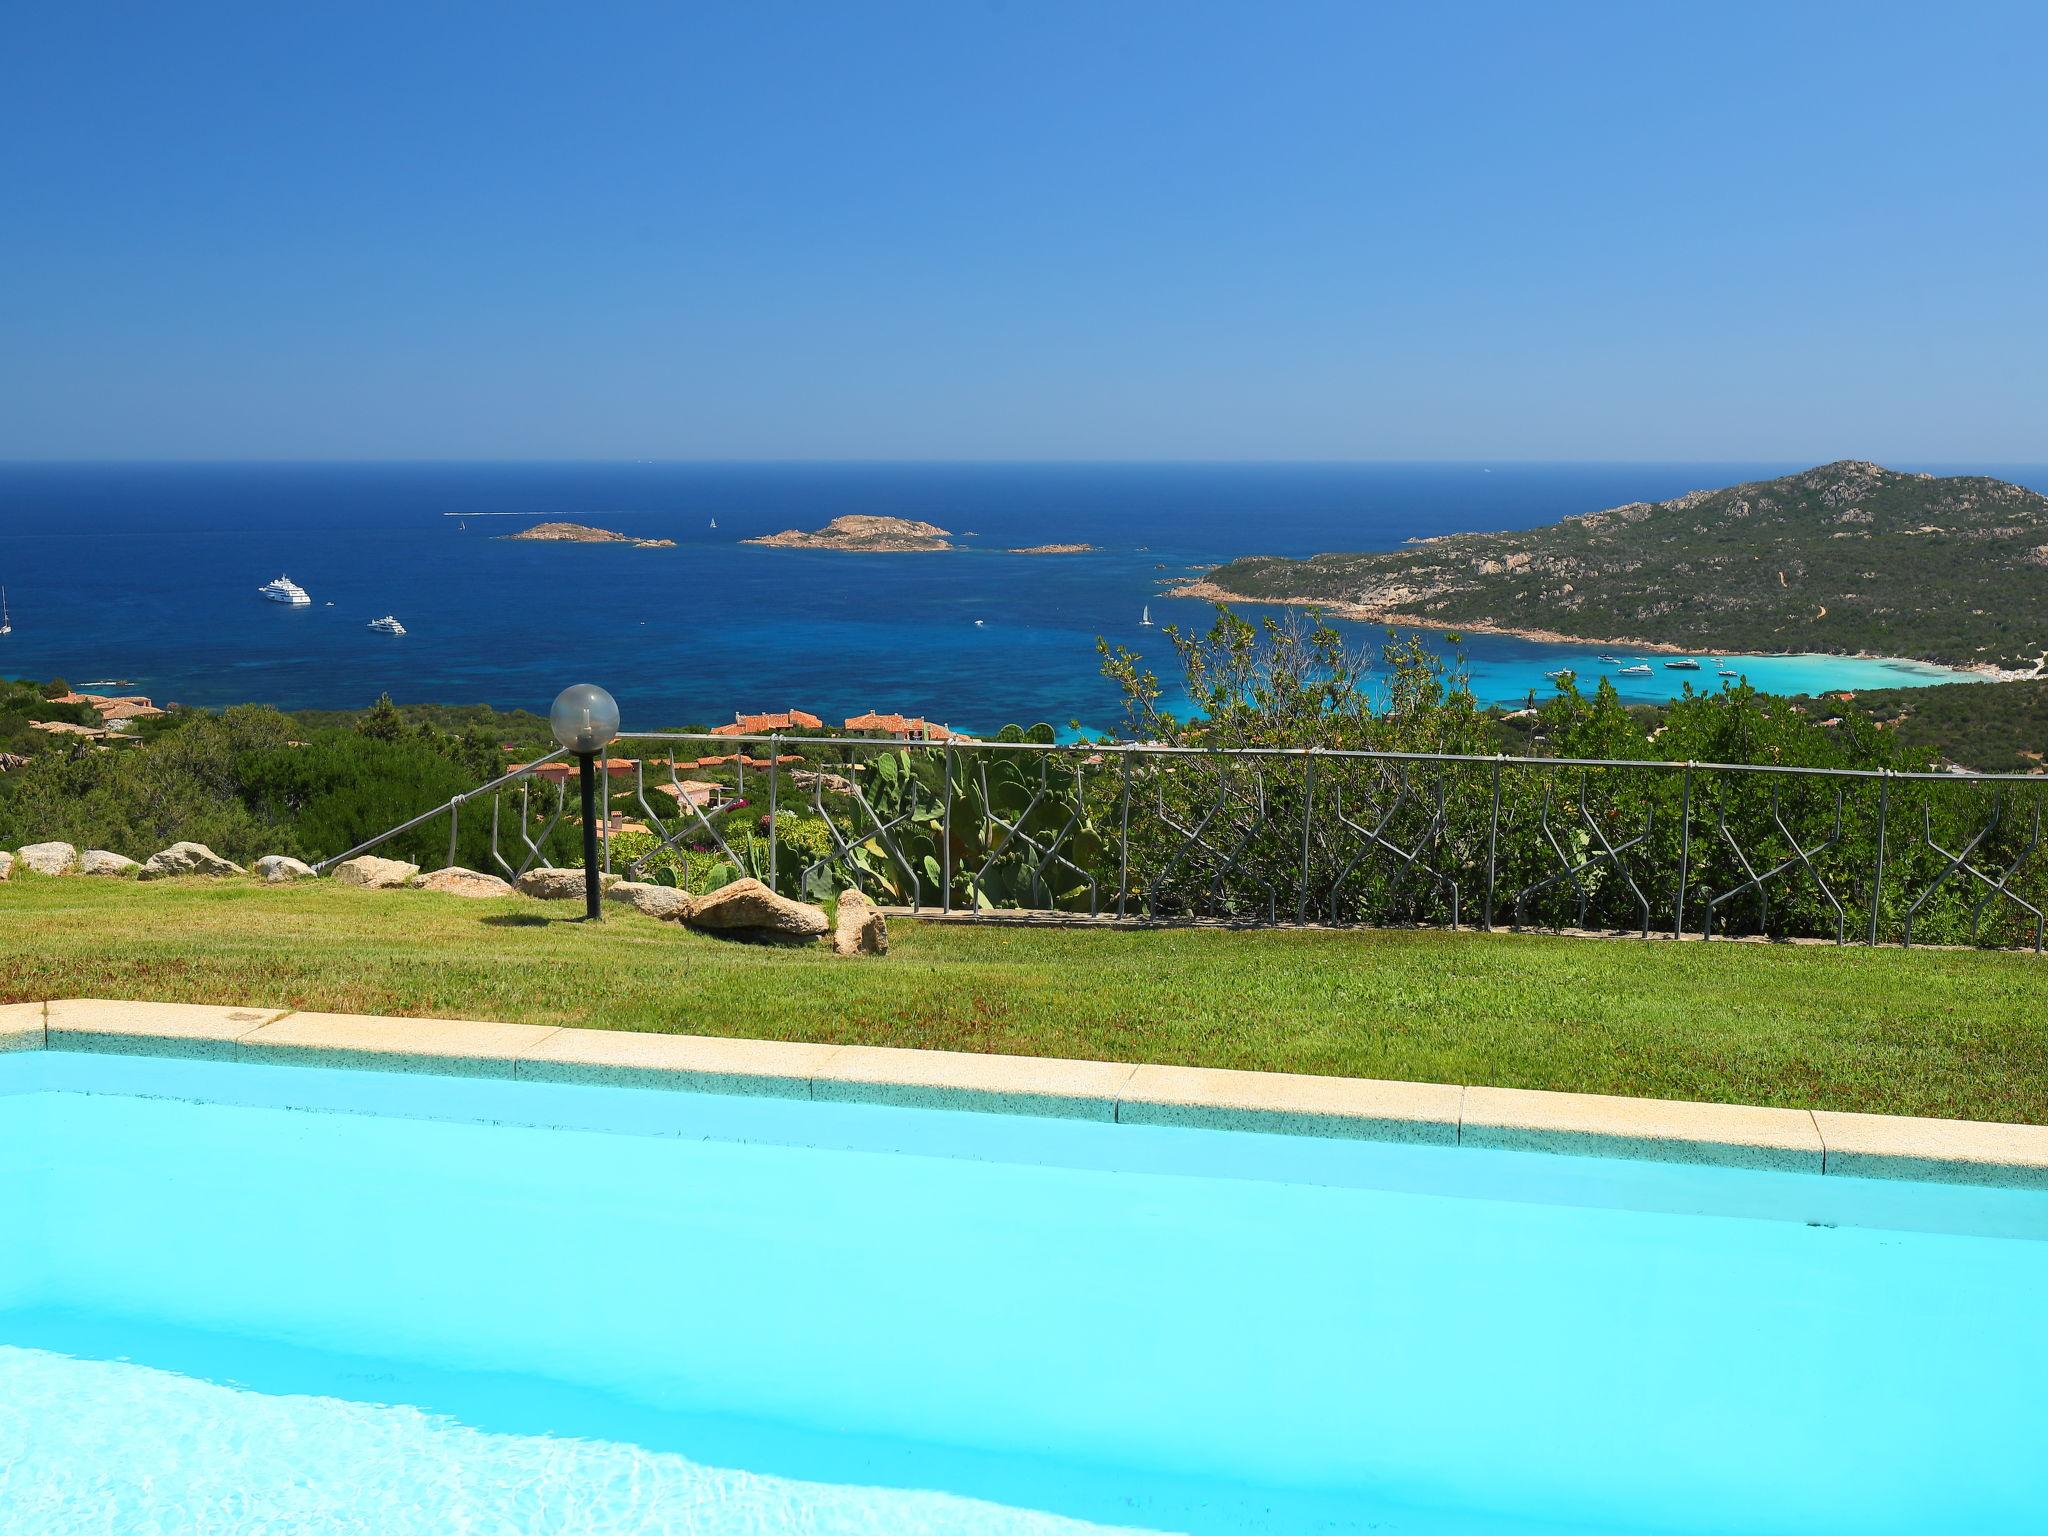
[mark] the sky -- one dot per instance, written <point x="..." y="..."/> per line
<point x="1124" y="229"/>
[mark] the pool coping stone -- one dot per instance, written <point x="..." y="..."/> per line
<point x="1939" y="1151"/>
<point x="1657" y="1130"/>
<point x="455" y="1047"/>
<point x="1292" y="1104"/>
<point x="22" y="1026"/>
<point x="152" y="1029"/>
<point x="683" y="1063"/>
<point x="1016" y="1085"/>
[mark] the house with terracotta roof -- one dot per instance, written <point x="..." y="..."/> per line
<point x="699" y="792"/>
<point x="114" y="710"/>
<point x="117" y="712"/>
<point x="897" y="727"/>
<point x="768" y="725"/>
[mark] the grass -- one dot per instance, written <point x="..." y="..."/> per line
<point x="1908" y="1032"/>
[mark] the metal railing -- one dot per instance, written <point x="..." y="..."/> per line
<point x="1271" y="835"/>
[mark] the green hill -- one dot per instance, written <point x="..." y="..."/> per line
<point x="1848" y="557"/>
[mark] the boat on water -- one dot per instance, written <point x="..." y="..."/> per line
<point x="1683" y="664"/>
<point x="1146" y="621"/>
<point x="714" y="522"/>
<point x="980" y="623"/>
<point x="285" y="590"/>
<point x="387" y="626"/>
<point x="1612" y="661"/>
<point x="1560" y="672"/>
<point x="6" y="624"/>
<point x="1640" y="669"/>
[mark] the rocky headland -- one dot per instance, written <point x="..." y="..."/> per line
<point x="1847" y="558"/>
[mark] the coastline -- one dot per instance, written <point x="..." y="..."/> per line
<point x="1203" y="589"/>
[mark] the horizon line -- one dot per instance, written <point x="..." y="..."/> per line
<point x="801" y="461"/>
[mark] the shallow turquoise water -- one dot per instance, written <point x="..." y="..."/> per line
<point x="409" y="1304"/>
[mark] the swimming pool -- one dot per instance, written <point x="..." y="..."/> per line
<point x="240" y="1297"/>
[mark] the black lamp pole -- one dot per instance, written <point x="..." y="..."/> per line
<point x="584" y="720"/>
<point x="593" y="903"/>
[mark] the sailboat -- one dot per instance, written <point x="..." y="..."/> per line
<point x="1146" y="621"/>
<point x="6" y="625"/>
<point x="714" y="522"/>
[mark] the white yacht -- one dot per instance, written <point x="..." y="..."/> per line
<point x="6" y="624"/>
<point x="1146" y="621"/>
<point x="285" y="590"/>
<point x="1640" y="669"/>
<point x="1683" y="664"/>
<point x="387" y="626"/>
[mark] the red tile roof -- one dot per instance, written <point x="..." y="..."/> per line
<point x="764" y="725"/>
<point x="902" y="727"/>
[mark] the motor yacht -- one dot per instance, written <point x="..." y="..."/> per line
<point x="285" y="590"/>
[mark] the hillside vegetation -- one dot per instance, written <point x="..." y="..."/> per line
<point x="1848" y="557"/>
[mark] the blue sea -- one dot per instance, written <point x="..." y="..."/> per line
<point x="146" y="576"/>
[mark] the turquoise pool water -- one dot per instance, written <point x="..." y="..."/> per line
<point x="239" y="1298"/>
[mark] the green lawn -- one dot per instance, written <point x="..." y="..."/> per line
<point x="1921" y="1032"/>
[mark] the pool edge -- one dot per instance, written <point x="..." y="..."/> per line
<point x="1821" y="1142"/>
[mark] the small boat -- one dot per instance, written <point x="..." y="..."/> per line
<point x="6" y="624"/>
<point x="1640" y="669"/>
<point x="1561" y="672"/>
<point x="714" y="522"/>
<point x="1722" y="669"/>
<point x="285" y="590"/>
<point x="979" y="623"/>
<point x="1612" y="661"/>
<point x="1683" y="664"/>
<point x="1146" y="621"/>
<point x="387" y="626"/>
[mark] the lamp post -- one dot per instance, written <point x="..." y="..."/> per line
<point x="585" y="719"/>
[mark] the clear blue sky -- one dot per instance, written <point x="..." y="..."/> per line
<point x="1116" y="229"/>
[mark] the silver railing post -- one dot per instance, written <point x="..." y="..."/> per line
<point x="1684" y="855"/>
<point x="1123" y="838"/>
<point x="1493" y="841"/>
<point x="1884" y="805"/>
<point x="1308" y="807"/>
<point x="946" y="838"/>
<point x="774" y="774"/>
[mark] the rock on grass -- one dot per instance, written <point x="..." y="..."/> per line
<point x="375" y="874"/>
<point x="188" y="859"/>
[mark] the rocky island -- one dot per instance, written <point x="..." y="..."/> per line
<point x="1056" y="549"/>
<point x="582" y="533"/>
<point x="863" y="534"/>
<point x="1846" y="558"/>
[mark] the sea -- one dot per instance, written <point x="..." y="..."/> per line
<point x="143" y="578"/>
